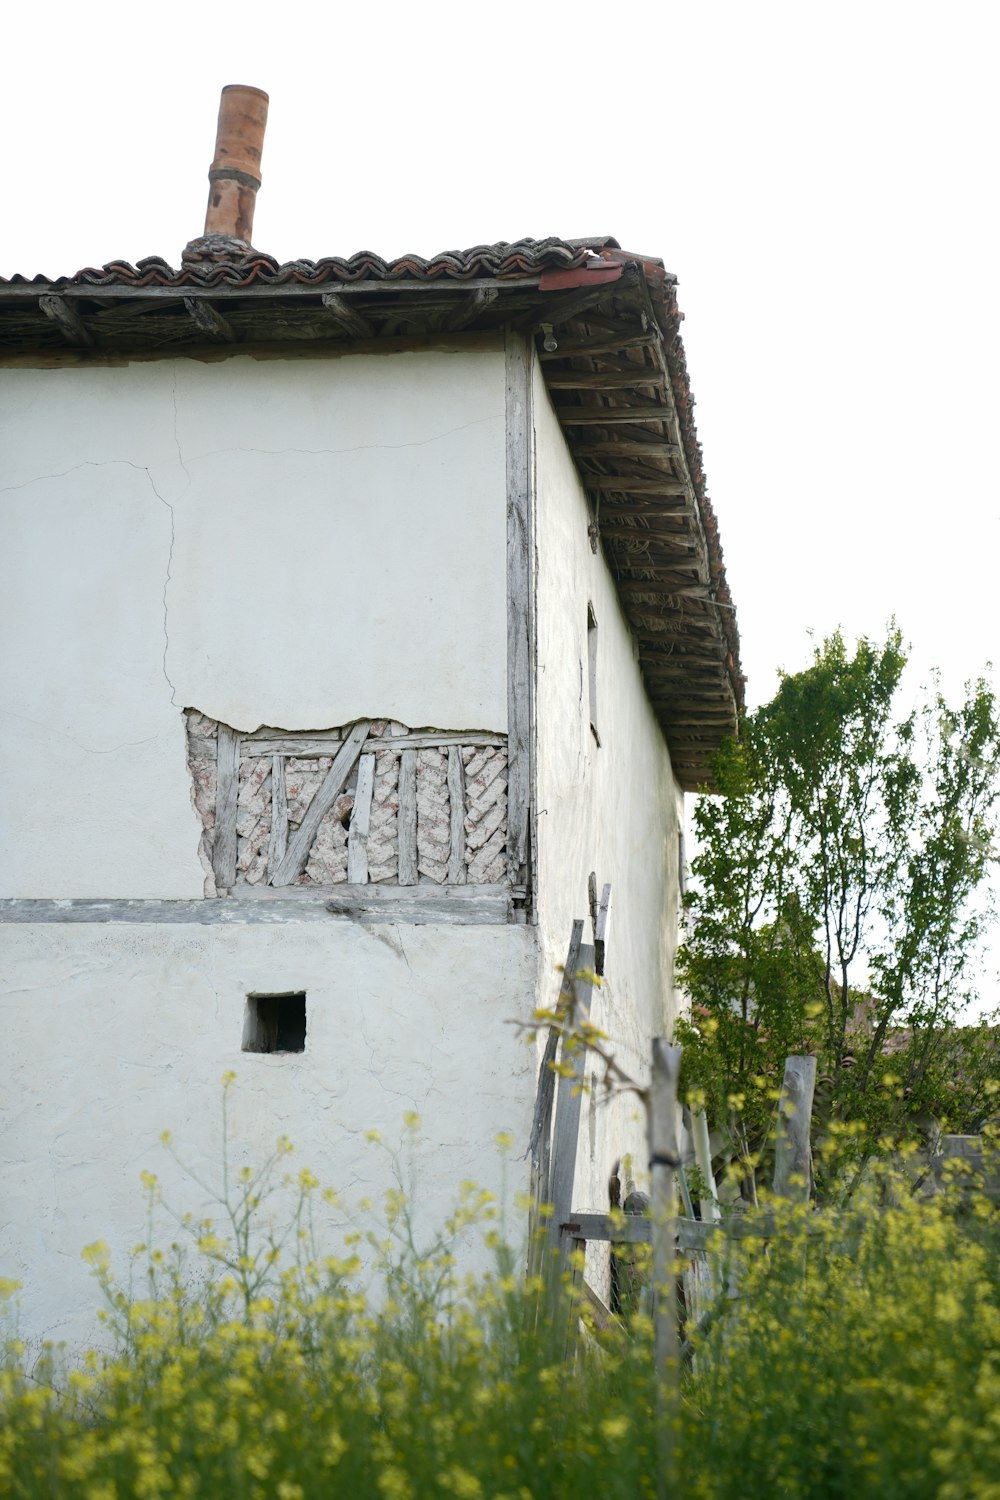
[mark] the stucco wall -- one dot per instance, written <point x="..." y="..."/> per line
<point x="613" y="809"/>
<point x="287" y="542"/>
<point x="114" y="1034"/>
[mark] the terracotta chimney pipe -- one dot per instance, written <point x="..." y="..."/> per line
<point x="235" y="172"/>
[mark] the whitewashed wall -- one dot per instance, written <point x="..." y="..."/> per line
<point x="287" y="542"/>
<point x="115" y="1033"/>
<point x="613" y="809"/>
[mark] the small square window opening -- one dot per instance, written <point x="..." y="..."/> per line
<point x="275" y="1023"/>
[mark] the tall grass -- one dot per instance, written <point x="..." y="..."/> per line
<point x="860" y="1358"/>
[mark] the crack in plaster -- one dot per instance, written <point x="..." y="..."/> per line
<point x="112" y="463"/>
<point x="376" y="1076"/>
<point x="438" y="437"/>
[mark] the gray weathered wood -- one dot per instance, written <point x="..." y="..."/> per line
<point x="330" y="788"/>
<point x="519" y="646"/>
<point x="357" y="838"/>
<point x="468" y="308"/>
<point x="540" y="1141"/>
<point x="210" y="322"/>
<point x="634" y="1229"/>
<point x="406" y="818"/>
<point x="351" y="319"/>
<point x="261" y="292"/>
<point x="427" y="908"/>
<point x="456" y="802"/>
<point x="328" y="743"/>
<point x="601" y="929"/>
<point x="664" y="1159"/>
<point x="609" y="416"/>
<point x="66" y="319"/>
<point x="793" y="1156"/>
<point x="278" y="842"/>
<point x="601" y="380"/>
<point x="227" y="785"/>
<point x="569" y="1098"/>
<point x="488" y="906"/>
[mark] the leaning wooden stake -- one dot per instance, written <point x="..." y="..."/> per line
<point x="664" y="1159"/>
<point x="793" y="1158"/>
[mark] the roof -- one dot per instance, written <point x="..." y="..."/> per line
<point x="607" y="326"/>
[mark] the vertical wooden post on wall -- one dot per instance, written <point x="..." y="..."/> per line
<point x="664" y="1160"/>
<point x="793" y="1154"/>
<point x="519" y="354"/>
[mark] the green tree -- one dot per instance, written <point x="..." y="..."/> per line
<point x="839" y="898"/>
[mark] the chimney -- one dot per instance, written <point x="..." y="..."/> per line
<point x="234" y="175"/>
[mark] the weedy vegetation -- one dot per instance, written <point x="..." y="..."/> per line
<point x="856" y="1353"/>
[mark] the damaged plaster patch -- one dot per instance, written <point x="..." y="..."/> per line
<point x="280" y="773"/>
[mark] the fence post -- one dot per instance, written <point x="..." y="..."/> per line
<point x="664" y="1159"/>
<point x="793" y="1155"/>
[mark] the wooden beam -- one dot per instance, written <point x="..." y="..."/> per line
<point x="792" y="1152"/>
<point x="601" y="929"/>
<point x="357" y="837"/>
<point x="456" y="804"/>
<point x="594" y="348"/>
<point x="469" y="308"/>
<point x="540" y="1140"/>
<point x="636" y="1230"/>
<point x="631" y="447"/>
<point x="279" y="816"/>
<point x="227" y="784"/>
<point x="595" y="381"/>
<point x="351" y="319"/>
<point x="299" y="845"/>
<point x="569" y="304"/>
<point x="625" y="484"/>
<point x="66" y="319"/>
<point x="569" y="1092"/>
<point x="208" y="321"/>
<point x="609" y="416"/>
<point x="519" y="633"/>
<point x="406" y="818"/>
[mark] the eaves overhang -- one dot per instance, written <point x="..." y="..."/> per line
<point x="606" y="325"/>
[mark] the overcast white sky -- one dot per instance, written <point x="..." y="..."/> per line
<point x="822" y="179"/>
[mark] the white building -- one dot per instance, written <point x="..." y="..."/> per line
<point x="354" y="613"/>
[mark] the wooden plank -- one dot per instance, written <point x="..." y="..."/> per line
<point x="569" y="304"/>
<point x="332" y="785"/>
<point x="605" y="1320"/>
<point x="406" y="818"/>
<point x="427" y="909"/>
<point x="569" y="1097"/>
<point x="635" y="1230"/>
<point x="325" y="742"/>
<point x="519" y="634"/>
<point x="278" y="843"/>
<point x="601" y="929"/>
<point x="66" y="319"/>
<point x="594" y="347"/>
<point x="351" y="319"/>
<point x="611" y="416"/>
<point x="628" y="484"/>
<point x="227" y="785"/>
<point x="456" y="796"/>
<point x="261" y="292"/>
<point x="452" y="895"/>
<point x="710" y="1210"/>
<point x="540" y="1141"/>
<point x="651" y="447"/>
<point x="590" y="380"/>
<point x="357" y="838"/>
<point x="209" y="321"/>
<point x="664" y="1160"/>
<point x="793" y="1154"/>
<point x="469" y="307"/>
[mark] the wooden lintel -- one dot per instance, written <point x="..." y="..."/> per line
<point x="209" y="321"/>
<point x="351" y="319"/>
<point x="67" y="320"/>
<point x="469" y="308"/>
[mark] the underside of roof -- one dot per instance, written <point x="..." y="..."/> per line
<point x="606" y="325"/>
